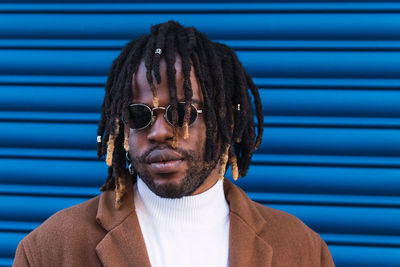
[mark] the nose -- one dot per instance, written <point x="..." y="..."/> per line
<point x="161" y="131"/>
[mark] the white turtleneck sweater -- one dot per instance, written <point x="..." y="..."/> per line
<point x="189" y="231"/>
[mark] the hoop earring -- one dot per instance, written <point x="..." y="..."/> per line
<point x="131" y="169"/>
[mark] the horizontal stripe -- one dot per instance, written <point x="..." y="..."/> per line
<point x="276" y="45"/>
<point x="346" y="220"/>
<point x="363" y="240"/>
<point x="45" y="190"/>
<point x="261" y="26"/>
<point x="330" y="141"/>
<point x="46" y="172"/>
<point x="325" y="199"/>
<point x="361" y="256"/>
<point x="322" y="180"/>
<point x="48" y="135"/>
<point x="33" y="209"/>
<point x="53" y="80"/>
<point x="320" y="103"/>
<point x="205" y="6"/>
<point x="8" y="244"/>
<point x="18" y="226"/>
<point x="6" y="262"/>
<point x="57" y="117"/>
<point x="51" y="98"/>
<point x="324" y="160"/>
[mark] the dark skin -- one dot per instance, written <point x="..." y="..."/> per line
<point x="183" y="170"/>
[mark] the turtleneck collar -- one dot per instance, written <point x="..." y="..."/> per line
<point x="210" y="207"/>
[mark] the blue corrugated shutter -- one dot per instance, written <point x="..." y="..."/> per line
<point x="329" y="77"/>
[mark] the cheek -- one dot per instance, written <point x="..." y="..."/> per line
<point x="198" y="135"/>
<point x="135" y="142"/>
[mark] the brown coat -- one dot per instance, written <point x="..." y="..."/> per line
<point x="94" y="233"/>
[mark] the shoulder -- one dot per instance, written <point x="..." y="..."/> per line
<point x="77" y="217"/>
<point x="286" y="225"/>
<point x="254" y="212"/>
<point x="291" y="240"/>
<point x="73" y="230"/>
<point x="283" y="225"/>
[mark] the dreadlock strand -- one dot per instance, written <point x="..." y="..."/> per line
<point x="119" y="168"/>
<point x="209" y="114"/>
<point x="170" y="58"/>
<point x="224" y="162"/>
<point x="217" y="74"/>
<point x="110" y="145"/>
<point x="260" y="117"/>
<point x="110" y="150"/>
<point x="120" y="188"/>
<point x="110" y="180"/>
<point x="218" y="93"/>
<point x="187" y="85"/>
<point x="186" y="130"/>
<point x="148" y="59"/>
<point x="159" y="44"/>
<point x="126" y="136"/>
<point x="234" y="165"/>
<point x="174" y="138"/>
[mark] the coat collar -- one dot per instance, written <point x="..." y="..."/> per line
<point x="123" y="245"/>
<point x="246" y="246"/>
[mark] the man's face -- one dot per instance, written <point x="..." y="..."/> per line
<point x="170" y="172"/>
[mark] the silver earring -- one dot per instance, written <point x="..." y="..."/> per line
<point x="131" y="169"/>
<point x="130" y="166"/>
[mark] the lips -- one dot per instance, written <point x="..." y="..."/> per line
<point x="165" y="161"/>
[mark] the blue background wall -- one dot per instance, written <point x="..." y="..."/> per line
<point x="329" y="74"/>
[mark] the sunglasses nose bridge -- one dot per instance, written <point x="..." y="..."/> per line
<point x="154" y="114"/>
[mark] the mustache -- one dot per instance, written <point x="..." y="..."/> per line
<point x="187" y="154"/>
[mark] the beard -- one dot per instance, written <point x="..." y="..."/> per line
<point x="197" y="172"/>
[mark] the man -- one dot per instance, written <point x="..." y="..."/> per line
<point x="177" y="111"/>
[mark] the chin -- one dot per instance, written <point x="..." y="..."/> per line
<point x="170" y="190"/>
<point x="173" y="188"/>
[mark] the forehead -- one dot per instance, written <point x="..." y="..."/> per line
<point x="142" y="91"/>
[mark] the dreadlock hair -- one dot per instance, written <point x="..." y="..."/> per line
<point x="225" y="85"/>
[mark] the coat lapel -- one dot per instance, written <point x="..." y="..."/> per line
<point x="246" y="247"/>
<point x="123" y="245"/>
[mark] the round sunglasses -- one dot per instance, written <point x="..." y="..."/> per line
<point x="141" y="115"/>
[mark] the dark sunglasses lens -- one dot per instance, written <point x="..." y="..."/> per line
<point x="181" y="114"/>
<point x="140" y="116"/>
